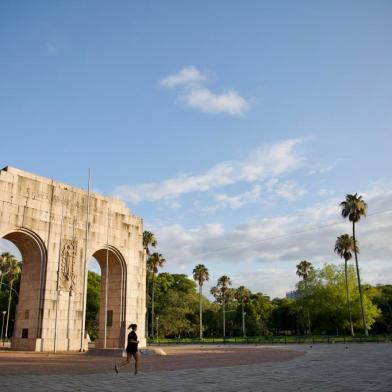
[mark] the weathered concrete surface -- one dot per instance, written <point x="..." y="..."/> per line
<point x="47" y="220"/>
<point x="329" y="368"/>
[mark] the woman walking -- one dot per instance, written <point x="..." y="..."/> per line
<point x="132" y="350"/>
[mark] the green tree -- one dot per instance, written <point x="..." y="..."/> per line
<point x="13" y="271"/>
<point x="303" y="270"/>
<point x="344" y="245"/>
<point x="284" y="316"/>
<point x="381" y="296"/>
<point x="200" y="275"/>
<point x="353" y="208"/>
<point x="176" y="302"/>
<point x="93" y="304"/>
<point x="327" y="299"/>
<point x="154" y="261"/>
<point x="242" y="295"/>
<point x="220" y="292"/>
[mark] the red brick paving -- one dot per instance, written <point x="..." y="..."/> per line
<point x="176" y="358"/>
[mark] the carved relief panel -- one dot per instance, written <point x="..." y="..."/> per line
<point x="67" y="267"/>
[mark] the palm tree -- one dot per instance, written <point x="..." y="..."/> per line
<point x="14" y="269"/>
<point x="154" y="261"/>
<point x="220" y="292"/>
<point x="353" y="208"/>
<point x="242" y="295"/>
<point x="200" y="275"/>
<point x="4" y="265"/>
<point x="303" y="270"/>
<point x="149" y="240"/>
<point x="343" y="247"/>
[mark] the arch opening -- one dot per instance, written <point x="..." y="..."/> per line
<point x="110" y="324"/>
<point x="25" y="324"/>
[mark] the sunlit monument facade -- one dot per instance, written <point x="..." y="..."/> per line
<point x="58" y="229"/>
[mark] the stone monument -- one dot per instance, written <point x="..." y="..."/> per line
<point x="58" y="229"/>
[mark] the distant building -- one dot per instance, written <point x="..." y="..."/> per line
<point x="292" y="295"/>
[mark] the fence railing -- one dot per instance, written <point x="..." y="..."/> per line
<point x="270" y="340"/>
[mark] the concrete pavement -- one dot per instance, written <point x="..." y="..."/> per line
<point x="361" y="367"/>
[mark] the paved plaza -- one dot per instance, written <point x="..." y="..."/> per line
<point x="360" y="367"/>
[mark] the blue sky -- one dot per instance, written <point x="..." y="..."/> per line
<point x="223" y="124"/>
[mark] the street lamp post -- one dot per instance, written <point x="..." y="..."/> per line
<point x="157" y="318"/>
<point x="243" y="324"/>
<point x="4" y="312"/>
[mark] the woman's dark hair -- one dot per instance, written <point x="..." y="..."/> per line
<point x="133" y="326"/>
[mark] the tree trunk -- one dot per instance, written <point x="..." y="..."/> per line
<point x="200" y="311"/>
<point x="147" y="330"/>
<point x="243" y="319"/>
<point x="9" y="308"/>
<point x="307" y="306"/>
<point x="224" y="318"/>
<point x="152" y="305"/>
<point x="348" y="298"/>
<point x="359" y="284"/>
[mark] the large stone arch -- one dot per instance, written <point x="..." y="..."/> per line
<point x="58" y="227"/>
<point x="29" y="311"/>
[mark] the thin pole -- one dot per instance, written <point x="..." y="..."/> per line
<point x="85" y="264"/>
<point x="224" y="317"/>
<point x="359" y="284"/>
<point x="200" y="311"/>
<point x="2" y="326"/>
<point x="71" y="286"/>
<point x="9" y="307"/>
<point x="58" y="278"/>
<point x="243" y="318"/>
<point x="106" y="282"/>
<point x="152" y="305"/>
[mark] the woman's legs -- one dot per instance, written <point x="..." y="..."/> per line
<point x="136" y="357"/>
<point x="129" y="356"/>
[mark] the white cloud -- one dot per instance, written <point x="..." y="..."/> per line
<point x="203" y="99"/>
<point x="186" y="76"/>
<point x="286" y="190"/>
<point x="196" y="95"/>
<point x="325" y="192"/>
<point x="239" y="200"/>
<point x="263" y="164"/>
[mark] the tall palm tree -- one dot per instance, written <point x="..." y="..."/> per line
<point x="154" y="261"/>
<point x="221" y="289"/>
<point x="303" y="270"/>
<point x="149" y="240"/>
<point x="200" y="275"/>
<point x="4" y="265"/>
<point x="353" y="208"/>
<point x="343" y="247"/>
<point x="242" y="295"/>
<point x="14" y="269"/>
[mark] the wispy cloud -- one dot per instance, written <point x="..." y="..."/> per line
<point x="239" y="200"/>
<point x="288" y="190"/>
<point x="185" y="76"/>
<point x="203" y="99"/>
<point x="263" y="164"/>
<point x="196" y="95"/>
